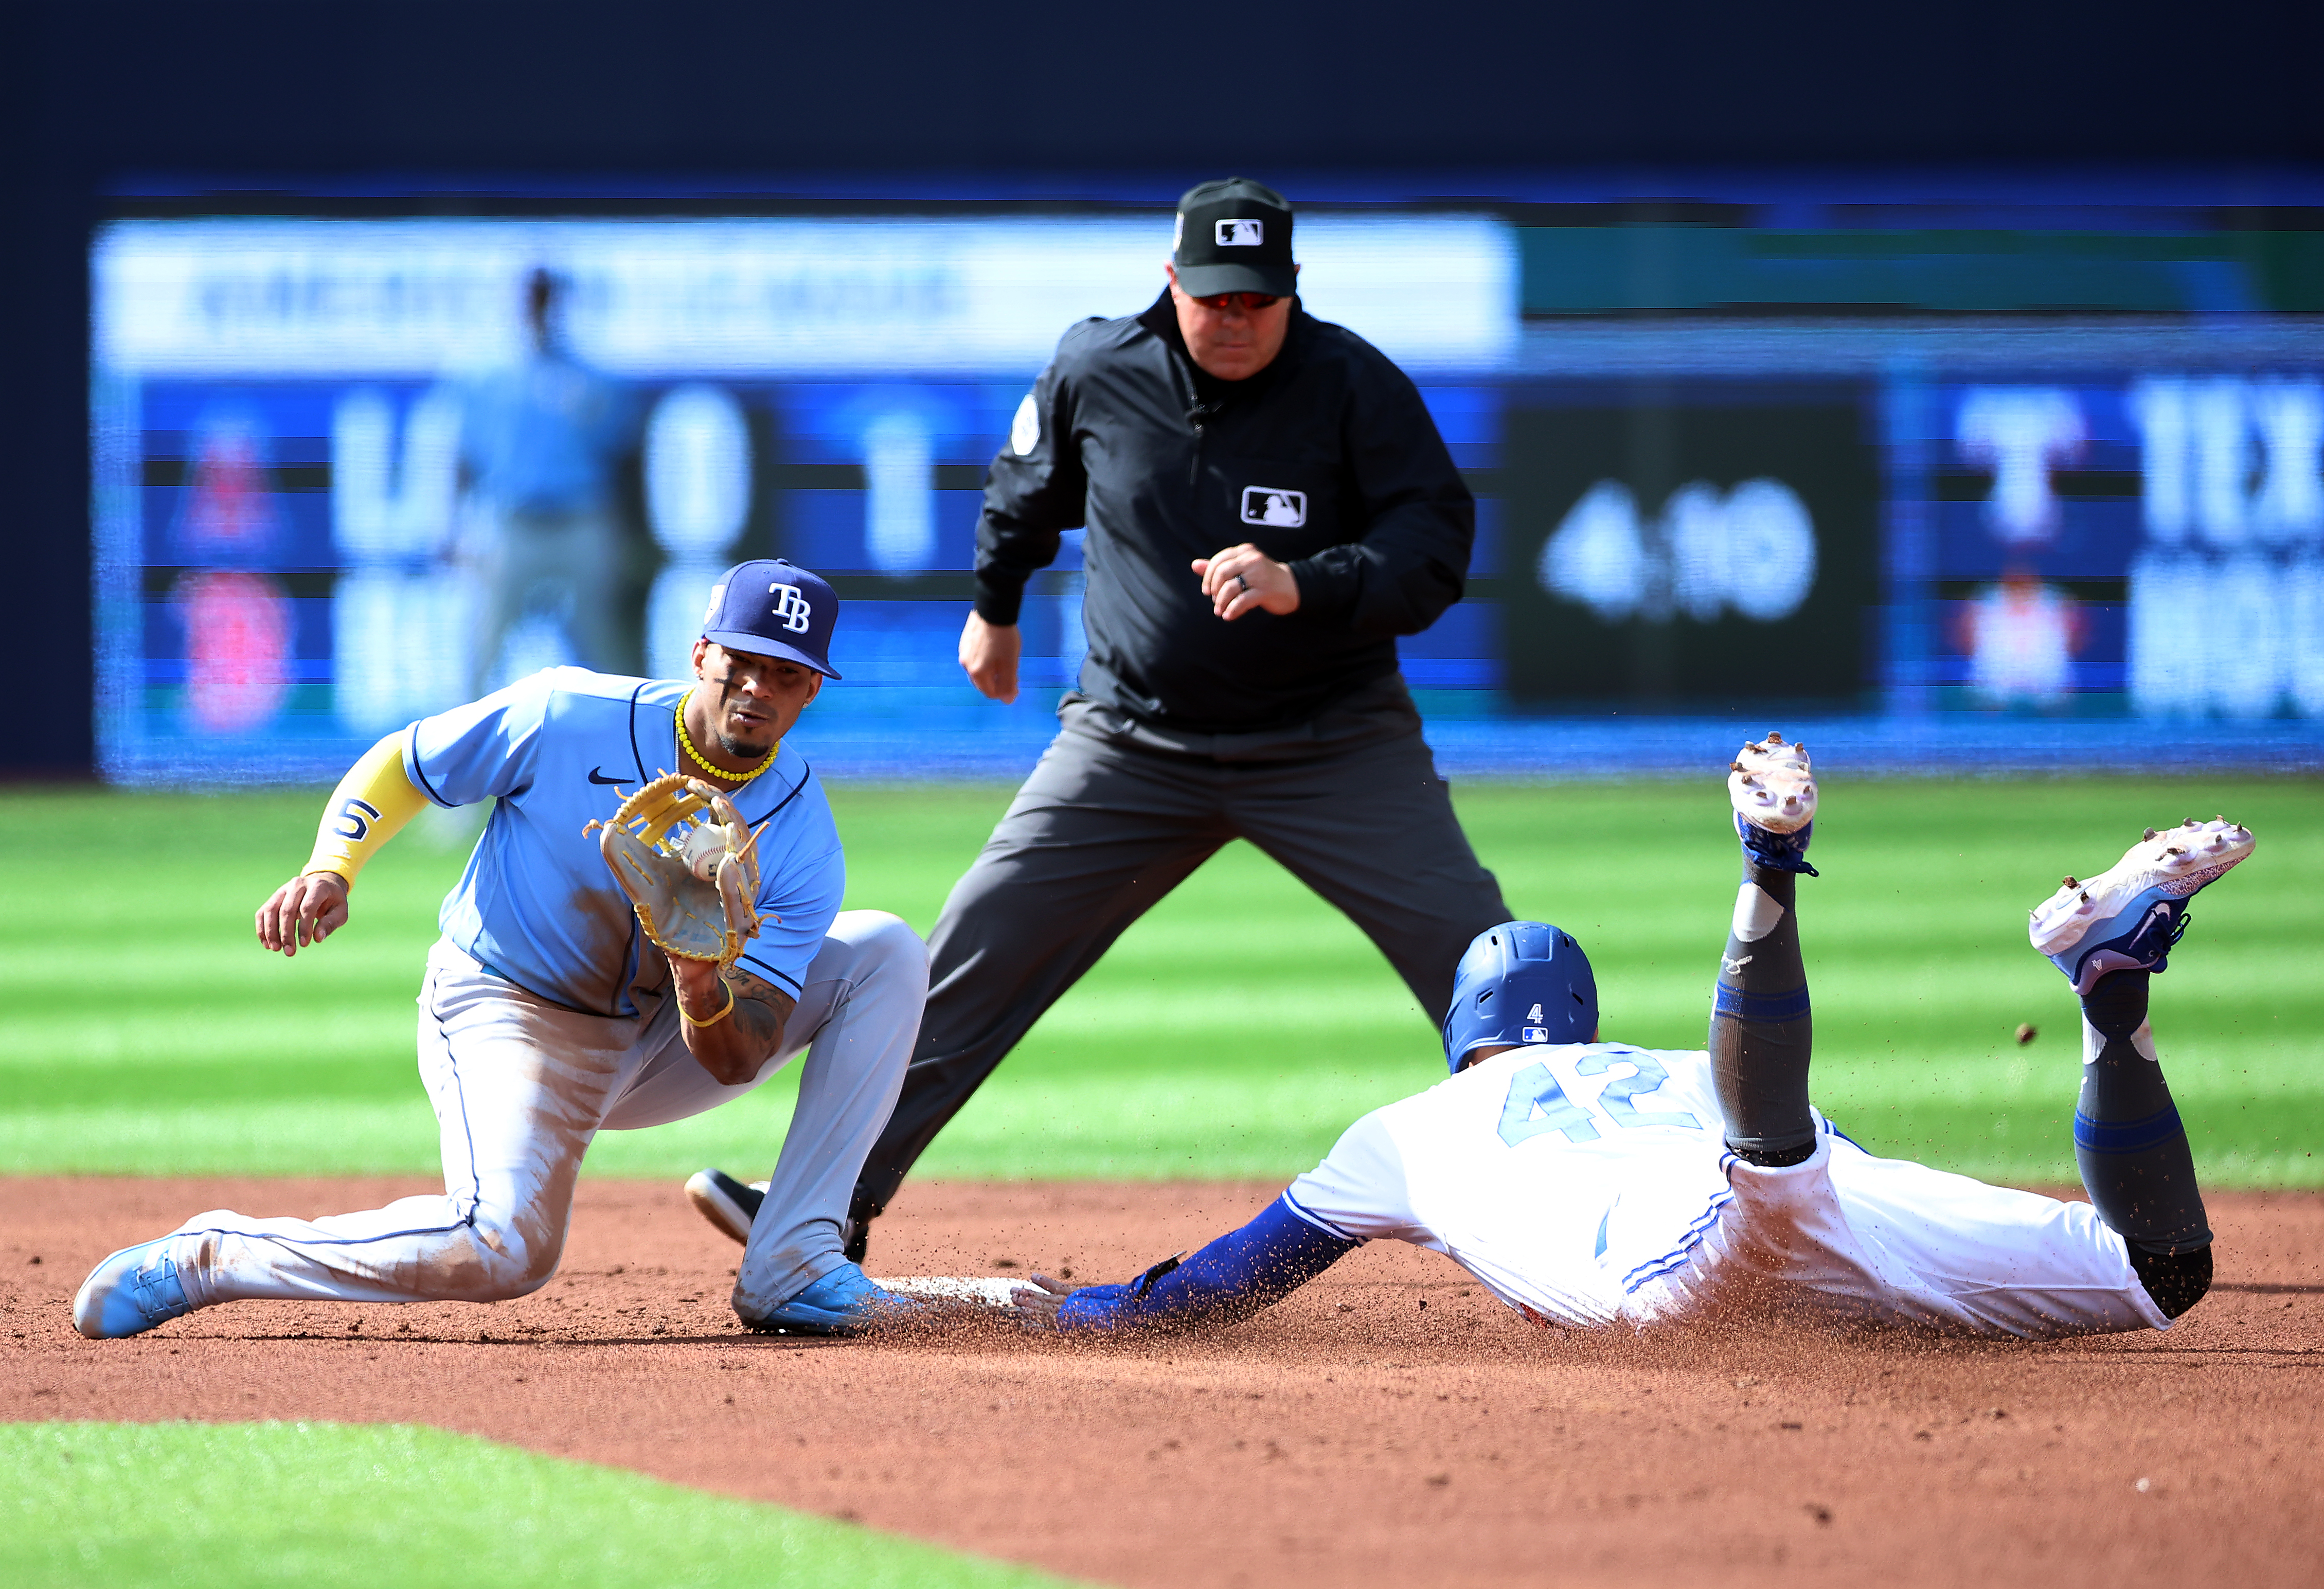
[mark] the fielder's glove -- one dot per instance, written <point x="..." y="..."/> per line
<point x="692" y="877"/>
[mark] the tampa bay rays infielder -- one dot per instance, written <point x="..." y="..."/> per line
<point x="545" y="1017"/>
<point x="1587" y="1183"/>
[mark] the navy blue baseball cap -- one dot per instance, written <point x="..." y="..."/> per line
<point x="772" y="609"/>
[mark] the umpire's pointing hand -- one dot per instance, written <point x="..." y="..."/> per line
<point x="1242" y="578"/>
<point x="307" y="909"/>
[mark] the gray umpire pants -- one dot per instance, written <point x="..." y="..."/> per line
<point x="1119" y="813"/>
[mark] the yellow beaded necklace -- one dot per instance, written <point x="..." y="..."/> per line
<point x="696" y="757"/>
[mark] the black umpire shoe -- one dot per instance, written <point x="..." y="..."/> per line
<point x="731" y="1206"/>
<point x="724" y="1201"/>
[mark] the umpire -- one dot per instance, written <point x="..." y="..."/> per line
<point x="1268" y="507"/>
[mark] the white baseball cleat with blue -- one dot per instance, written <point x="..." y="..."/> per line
<point x="844" y="1302"/>
<point x="2129" y="916"/>
<point x="1773" y="791"/>
<point x="130" y="1292"/>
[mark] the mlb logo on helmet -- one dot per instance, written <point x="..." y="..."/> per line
<point x="774" y="609"/>
<point x="1534" y="1034"/>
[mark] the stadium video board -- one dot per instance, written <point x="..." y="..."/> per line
<point x="1712" y="544"/>
<point x="300" y="543"/>
<point x="2156" y="540"/>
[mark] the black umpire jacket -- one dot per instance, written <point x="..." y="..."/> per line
<point x="1326" y="459"/>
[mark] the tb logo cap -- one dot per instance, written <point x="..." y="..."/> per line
<point x="774" y="609"/>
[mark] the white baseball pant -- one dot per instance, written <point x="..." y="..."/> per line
<point x="521" y="1086"/>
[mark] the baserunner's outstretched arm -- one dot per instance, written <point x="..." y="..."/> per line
<point x="1230" y="1279"/>
<point x="1760" y="1029"/>
<point x="2110" y="936"/>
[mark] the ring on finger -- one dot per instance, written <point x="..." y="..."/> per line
<point x="1241" y="584"/>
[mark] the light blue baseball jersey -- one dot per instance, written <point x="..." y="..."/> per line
<point x="544" y="437"/>
<point x="537" y="903"/>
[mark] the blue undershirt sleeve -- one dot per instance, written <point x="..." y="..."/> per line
<point x="1231" y="1279"/>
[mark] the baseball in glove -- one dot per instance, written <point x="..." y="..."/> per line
<point x="689" y="864"/>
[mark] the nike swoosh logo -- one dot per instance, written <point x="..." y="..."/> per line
<point x="598" y="776"/>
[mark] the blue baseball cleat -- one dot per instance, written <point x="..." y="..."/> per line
<point x="2127" y="918"/>
<point x="130" y="1292"/>
<point x="1773" y="791"/>
<point x="844" y="1302"/>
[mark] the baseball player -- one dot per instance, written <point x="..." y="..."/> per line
<point x="1590" y="1184"/>
<point x="605" y="963"/>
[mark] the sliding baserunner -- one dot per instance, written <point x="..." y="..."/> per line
<point x="1587" y="1183"/>
<point x="566" y="998"/>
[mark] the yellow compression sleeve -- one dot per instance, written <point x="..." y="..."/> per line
<point x="370" y="807"/>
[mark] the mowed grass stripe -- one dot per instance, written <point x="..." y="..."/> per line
<point x="383" y="1506"/>
<point x="1238" y="1028"/>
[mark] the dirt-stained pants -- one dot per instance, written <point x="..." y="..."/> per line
<point x="521" y="1086"/>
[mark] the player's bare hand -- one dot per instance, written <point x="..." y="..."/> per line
<point x="988" y="655"/>
<point x="305" y="910"/>
<point x="1036" y="1306"/>
<point x="1243" y="579"/>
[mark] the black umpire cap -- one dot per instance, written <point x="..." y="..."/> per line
<point x="1234" y="236"/>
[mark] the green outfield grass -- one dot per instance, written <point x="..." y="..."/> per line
<point x="383" y="1506"/>
<point x="1237" y="1030"/>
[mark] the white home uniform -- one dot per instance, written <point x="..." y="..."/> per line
<point x="546" y="1016"/>
<point x="1587" y="1184"/>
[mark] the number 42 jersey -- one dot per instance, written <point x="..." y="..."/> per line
<point x="1588" y="1184"/>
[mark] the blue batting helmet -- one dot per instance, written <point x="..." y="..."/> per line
<point x="1522" y="981"/>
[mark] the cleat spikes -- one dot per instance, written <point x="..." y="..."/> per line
<point x="2130" y="916"/>
<point x="2067" y="882"/>
<point x="1773" y="737"/>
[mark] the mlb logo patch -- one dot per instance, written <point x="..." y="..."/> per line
<point x="1271" y="505"/>
<point x="1241" y="234"/>
<point x="1533" y="1034"/>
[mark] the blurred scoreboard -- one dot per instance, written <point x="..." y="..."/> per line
<point x="1675" y="518"/>
<point x="2158" y="540"/>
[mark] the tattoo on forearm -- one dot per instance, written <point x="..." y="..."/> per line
<point x="760" y="1011"/>
<point x="736" y="1048"/>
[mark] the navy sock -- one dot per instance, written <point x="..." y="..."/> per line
<point x="2127" y="1139"/>
<point x="1760" y="1028"/>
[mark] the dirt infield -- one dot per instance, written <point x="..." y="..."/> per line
<point x="1389" y="1424"/>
